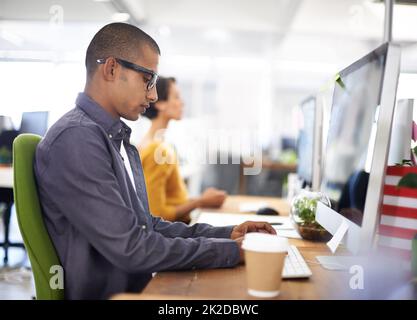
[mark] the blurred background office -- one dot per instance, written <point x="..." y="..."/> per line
<point x="243" y="67"/>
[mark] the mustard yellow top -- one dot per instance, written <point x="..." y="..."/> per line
<point x="165" y="186"/>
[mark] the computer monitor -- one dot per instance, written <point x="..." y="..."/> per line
<point x="34" y="122"/>
<point x="309" y="143"/>
<point x="288" y="143"/>
<point x="401" y="133"/>
<point x="357" y="146"/>
<point x="6" y="123"/>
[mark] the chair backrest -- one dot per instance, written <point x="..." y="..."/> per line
<point x="42" y="254"/>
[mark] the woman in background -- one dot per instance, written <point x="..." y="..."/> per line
<point x="166" y="189"/>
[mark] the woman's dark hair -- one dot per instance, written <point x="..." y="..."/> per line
<point x="162" y="88"/>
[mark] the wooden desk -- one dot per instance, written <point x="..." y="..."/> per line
<point x="231" y="283"/>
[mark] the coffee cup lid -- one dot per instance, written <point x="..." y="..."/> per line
<point x="263" y="242"/>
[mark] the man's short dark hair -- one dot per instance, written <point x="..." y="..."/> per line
<point x="162" y="88"/>
<point x="120" y="40"/>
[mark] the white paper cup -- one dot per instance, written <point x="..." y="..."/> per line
<point x="264" y="258"/>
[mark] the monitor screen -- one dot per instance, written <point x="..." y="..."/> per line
<point x="34" y="122"/>
<point x="351" y="134"/>
<point x="305" y="143"/>
<point x="288" y="143"/>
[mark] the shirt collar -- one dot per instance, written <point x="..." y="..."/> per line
<point x="115" y="128"/>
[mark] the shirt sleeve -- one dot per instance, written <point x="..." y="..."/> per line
<point x="83" y="187"/>
<point x="179" y="229"/>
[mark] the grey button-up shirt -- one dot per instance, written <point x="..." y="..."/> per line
<point x="106" y="239"/>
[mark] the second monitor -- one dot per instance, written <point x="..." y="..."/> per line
<point x="35" y="122"/>
<point x="309" y="143"/>
<point x="357" y="146"/>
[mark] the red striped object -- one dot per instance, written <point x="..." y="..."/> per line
<point x="398" y="219"/>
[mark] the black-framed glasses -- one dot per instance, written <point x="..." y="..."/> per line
<point x="132" y="66"/>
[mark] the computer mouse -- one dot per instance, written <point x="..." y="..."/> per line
<point x="267" y="211"/>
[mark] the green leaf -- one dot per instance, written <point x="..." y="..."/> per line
<point x="408" y="181"/>
<point x="339" y="81"/>
<point x="306" y="208"/>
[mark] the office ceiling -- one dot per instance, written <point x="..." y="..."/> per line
<point x="317" y="35"/>
<point x="312" y="16"/>
<point x="41" y="10"/>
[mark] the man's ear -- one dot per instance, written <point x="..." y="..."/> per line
<point x="109" y="69"/>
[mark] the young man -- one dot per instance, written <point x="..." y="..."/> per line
<point x="91" y="183"/>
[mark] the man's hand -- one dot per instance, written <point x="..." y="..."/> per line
<point x="251" y="226"/>
<point x="241" y="252"/>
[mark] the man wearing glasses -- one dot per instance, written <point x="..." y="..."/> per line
<point x="91" y="183"/>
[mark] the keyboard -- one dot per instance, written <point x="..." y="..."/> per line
<point x="295" y="265"/>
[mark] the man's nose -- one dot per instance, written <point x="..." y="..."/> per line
<point x="152" y="95"/>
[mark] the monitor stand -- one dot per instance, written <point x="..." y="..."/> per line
<point x="343" y="263"/>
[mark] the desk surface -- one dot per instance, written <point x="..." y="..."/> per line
<point x="231" y="283"/>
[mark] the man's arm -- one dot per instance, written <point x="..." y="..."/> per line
<point x="179" y="229"/>
<point x="205" y="230"/>
<point x="82" y="185"/>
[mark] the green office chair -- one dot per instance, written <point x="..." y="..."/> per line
<point x="42" y="254"/>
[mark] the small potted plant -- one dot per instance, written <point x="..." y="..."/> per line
<point x="303" y="215"/>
